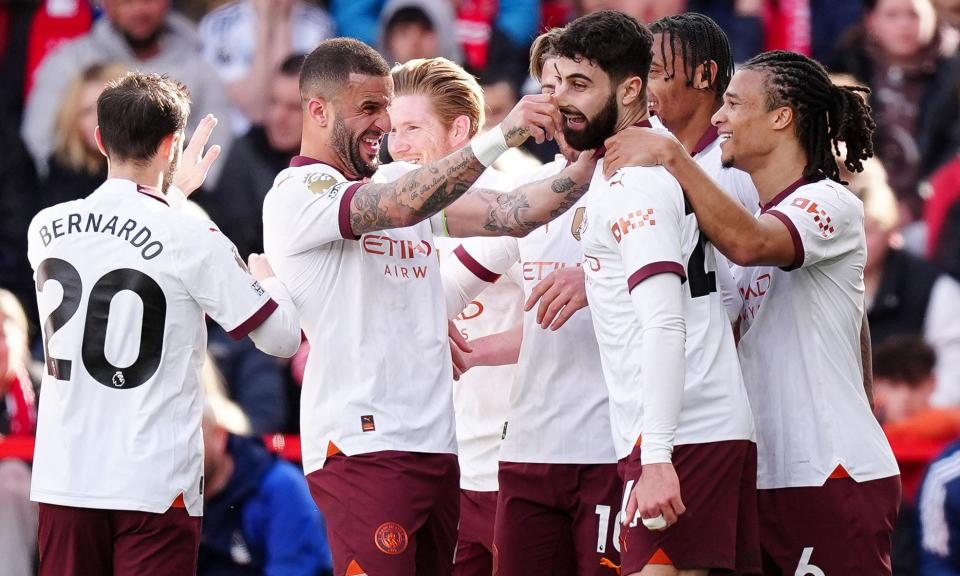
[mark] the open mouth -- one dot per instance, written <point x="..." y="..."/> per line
<point x="575" y="121"/>
<point x="652" y="105"/>
<point x="723" y="137"/>
<point x="371" y="142"/>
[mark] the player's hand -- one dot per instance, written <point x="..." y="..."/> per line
<point x="535" y="115"/>
<point x="636" y="146"/>
<point x="561" y="293"/>
<point x="459" y="349"/>
<point x="195" y="163"/>
<point x="260" y="267"/>
<point x="657" y="492"/>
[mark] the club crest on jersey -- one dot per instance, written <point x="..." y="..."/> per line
<point x="391" y="538"/>
<point x="579" y="224"/>
<point x="632" y="221"/>
<point x="118" y="380"/>
<point x="320" y="183"/>
<point x="820" y="215"/>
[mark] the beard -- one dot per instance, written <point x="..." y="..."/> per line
<point x="170" y="172"/>
<point x="597" y="129"/>
<point x="138" y="44"/>
<point x="347" y="146"/>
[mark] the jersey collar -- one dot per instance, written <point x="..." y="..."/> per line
<point x="802" y="181"/>
<point x="298" y="161"/>
<point x="708" y="138"/>
<point x="152" y="193"/>
<point x="645" y="123"/>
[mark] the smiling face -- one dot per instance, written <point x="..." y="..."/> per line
<point x="588" y="102"/>
<point x="744" y="123"/>
<point x="418" y="135"/>
<point x="670" y="95"/>
<point x="360" y="120"/>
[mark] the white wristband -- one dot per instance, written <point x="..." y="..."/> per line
<point x="487" y="147"/>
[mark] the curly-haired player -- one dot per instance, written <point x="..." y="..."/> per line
<point x="829" y="486"/>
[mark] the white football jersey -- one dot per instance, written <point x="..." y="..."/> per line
<point x="639" y="224"/>
<point x="123" y="283"/>
<point x="481" y="396"/>
<point x="379" y="372"/>
<point x="558" y="410"/>
<point x="800" y="346"/>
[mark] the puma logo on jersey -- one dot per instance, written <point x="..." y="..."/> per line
<point x="367" y="424"/>
<point x="632" y="221"/>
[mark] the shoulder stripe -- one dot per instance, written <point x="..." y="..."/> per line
<point x="478" y="269"/>
<point x="346" y="229"/>
<point x="794" y="235"/>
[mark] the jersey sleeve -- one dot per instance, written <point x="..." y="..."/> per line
<point x="647" y="227"/>
<point x="474" y="265"/>
<point x="311" y="213"/>
<point x="822" y="222"/>
<point x="218" y="280"/>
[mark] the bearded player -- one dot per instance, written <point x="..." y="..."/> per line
<point x="559" y="488"/>
<point x="829" y="486"/>
<point x="358" y="257"/>
<point x="681" y="421"/>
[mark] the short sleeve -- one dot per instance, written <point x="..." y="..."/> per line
<point x="646" y="226"/>
<point x="309" y="213"/>
<point x="824" y="223"/>
<point x="488" y="258"/>
<point x="218" y="280"/>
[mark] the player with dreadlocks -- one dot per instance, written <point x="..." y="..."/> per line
<point x="829" y="486"/>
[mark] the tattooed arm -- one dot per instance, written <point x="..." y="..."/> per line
<point x="482" y="212"/>
<point x="425" y="191"/>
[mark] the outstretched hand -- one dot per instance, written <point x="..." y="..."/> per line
<point x="195" y="164"/>
<point x="636" y="146"/>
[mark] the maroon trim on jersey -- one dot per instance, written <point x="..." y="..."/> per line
<point x="478" y="269"/>
<point x="786" y="192"/>
<point x="707" y="139"/>
<point x="346" y="229"/>
<point x="602" y="151"/>
<point x="298" y="161"/>
<point x="653" y="269"/>
<point x="254" y="321"/>
<point x="794" y="235"/>
<point x="152" y="192"/>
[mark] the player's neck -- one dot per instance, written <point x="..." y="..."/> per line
<point x="326" y="155"/>
<point x="148" y="176"/>
<point x="691" y="130"/>
<point x="779" y="169"/>
<point x="631" y="116"/>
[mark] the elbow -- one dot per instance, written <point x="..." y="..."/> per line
<point x="287" y="347"/>
<point x="749" y="253"/>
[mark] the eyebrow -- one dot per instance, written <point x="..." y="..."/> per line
<point x="580" y="76"/>
<point x="732" y="95"/>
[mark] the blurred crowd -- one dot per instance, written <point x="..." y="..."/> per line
<point x="241" y="61"/>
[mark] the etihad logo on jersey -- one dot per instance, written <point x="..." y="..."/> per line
<point x="820" y="215"/>
<point x="382" y="245"/>
<point x="632" y="221"/>
<point x="535" y="271"/>
<point x="752" y="295"/>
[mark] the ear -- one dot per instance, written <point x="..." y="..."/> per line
<point x="168" y="146"/>
<point x="99" y="139"/>
<point x="460" y="129"/>
<point x="632" y="91"/>
<point x="705" y="75"/>
<point x="320" y="111"/>
<point x="782" y="118"/>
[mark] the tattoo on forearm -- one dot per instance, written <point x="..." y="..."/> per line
<point x="511" y="213"/>
<point x="416" y="196"/>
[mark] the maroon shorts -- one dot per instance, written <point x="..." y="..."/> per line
<point x="719" y="530"/>
<point x="85" y="541"/>
<point x="390" y="512"/>
<point x="842" y="527"/>
<point x="478" y="510"/>
<point x="556" y="519"/>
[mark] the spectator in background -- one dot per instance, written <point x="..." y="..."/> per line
<point x="259" y="518"/>
<point x="904" y="293"/>
<point x="418" y="29"/>
<point x="939" y="516"/>
<point x="77" y="167"/>
<point x="18" y="417"/>
<point x="18" y="177"/>
<point x="942" y="215"/>
<point x="146" y="35"/>
<point x="256" y="158"/>
<point x="247" y="40"/>
<point x="646" y="11"/>
<point x="900" y="55"/>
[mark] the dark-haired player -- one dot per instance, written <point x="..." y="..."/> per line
<point x="359" y="258"/>
<point x="681" y="422"/>
<point x="829" y="484"/>
<point x="124" y="281"/>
